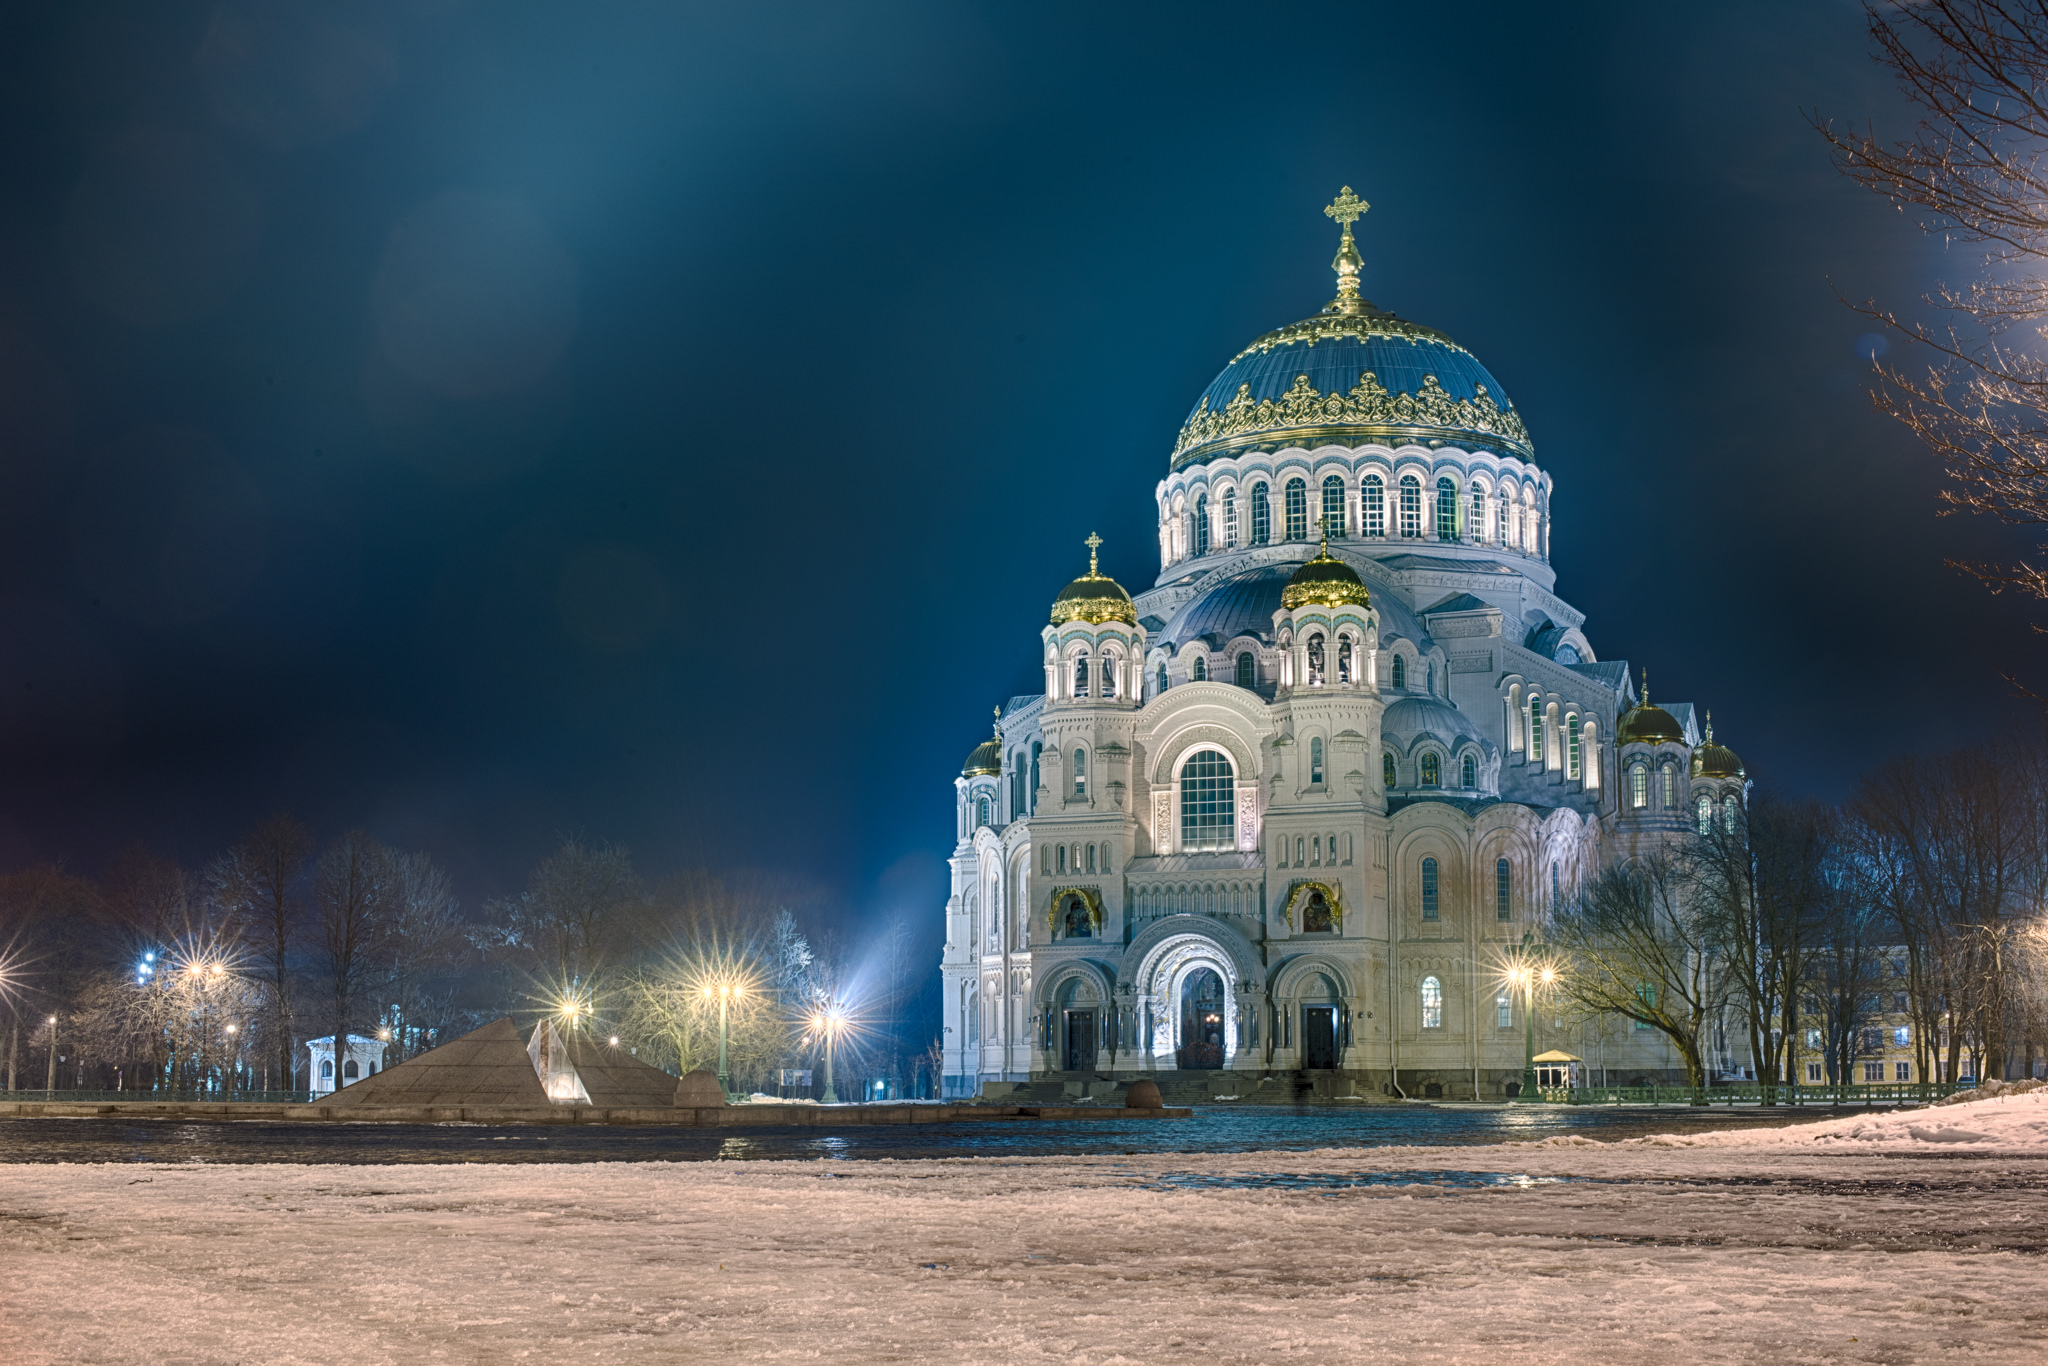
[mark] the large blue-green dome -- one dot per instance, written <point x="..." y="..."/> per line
<point x="1350" y="378"/>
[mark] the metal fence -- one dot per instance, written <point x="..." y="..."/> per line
<point x="1849" y="1093"/>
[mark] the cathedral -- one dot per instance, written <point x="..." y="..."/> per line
<point x="1277" y="823"/>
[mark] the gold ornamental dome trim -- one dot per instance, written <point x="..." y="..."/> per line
<point x="1325" y="581"/>
<point x="987" y="759"/>
<point x="1645" y="724"/>
<point x="1712" y="760"/>
<point x="1094" y="597"/>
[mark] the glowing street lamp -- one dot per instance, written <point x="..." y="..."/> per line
<point x="726" y="993"/>
<point x="828" y="1022"/>
<point x="51" y="1086"/>
<point x="1526" y="976"/>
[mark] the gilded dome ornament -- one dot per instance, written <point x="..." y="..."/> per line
<point x="1325" y="581"/>
<point x="1713" y="760"/>
<point x="987" y="759"/>
<point x="1347" y="210"/>
<point x="1094" y="597"/>
<point x="1645" y="724"/>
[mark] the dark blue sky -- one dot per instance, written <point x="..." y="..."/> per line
<point x="669" y="422"/>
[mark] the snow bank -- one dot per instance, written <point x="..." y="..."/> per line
<point x="2016" y="1118"/>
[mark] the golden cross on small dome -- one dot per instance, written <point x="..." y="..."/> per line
<point x="1094" y="543"/>
<point x="999" y="723"/>
<point x="1346" y="210"/>
<point x="1323" y="525"/>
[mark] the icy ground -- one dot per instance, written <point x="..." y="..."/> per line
<point x="1921" y="1236"/>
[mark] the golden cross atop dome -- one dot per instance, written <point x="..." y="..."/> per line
<point x="1094" y="543"/>
<point x="1347" y="210"/>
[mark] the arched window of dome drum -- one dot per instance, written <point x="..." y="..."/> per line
<point x="1036" y="749"/>
<point x="1081" y="676"/>
<point x="1387" y="770"/>
<point x="1202" y="524"/>
<point x="1411" y="505"/>
<point x="1432" y="1003"/>
<point x="1247" y="670"/>
<point x="1346" y="672"/>
<point x="1262" y="516"/>
<point x="1162" y="677"/>
<point x="1638" y="787"/>
<point x="1200" y="671"/>
<point x="1704" y="807"/>
<point x="981" y="812"/>
<point x="1080" y="773"/>
<point x="1571" y="737"/>
<point x="1334" y="520"/>
<point x="1535" y="730"/>
<point x="1447" y="509"/>
<point x="1315" y="759"/>
<point x="1475" y="530"/>
<point x="1668" y="796"/>
<point x="1107" y="677"/>
<point x="1400" y="672"/>
<point x="1468" y="771"/>
<point x="1728" y="814"/>
<point x="1432" y="770"/>
<point x="1315" y="661"/>
<point x="1372" y="499"/>
<point x="1429" y="895"/>
<point x="1297" y="510"/>
<point x="1230" y="516"/>
<point x="1503" y="885"/>
<point x="1208" y="802"/>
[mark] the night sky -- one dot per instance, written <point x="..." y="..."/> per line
<point x="669" y="423"/>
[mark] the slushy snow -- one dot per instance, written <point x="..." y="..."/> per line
<point x="1917" y="1236"/>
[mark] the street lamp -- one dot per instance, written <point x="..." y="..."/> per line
<point x="51" y="1085"/>
<point x="828" y="1022"/>
<point x="1526" y="976"/>
<point x="725" y="993"/>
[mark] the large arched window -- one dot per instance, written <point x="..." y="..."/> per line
<point x="1315" y="660"/>
<point x="1247" y="670"/>
<point x="1262" y="516"/>
<point x="1475" y="529"/>
<point x="1667" y="796"/>
<point x="1411" y="505"/>
<point x="1432" y="1003"/>
<point x="1432" y="770"/>
<point x="1510" y="520"/>
<point x="1372" y="499"/>
<point x="1398" y="675"/>
<point x="1208" y="802"/>
<point x="1334" y="521"/>
<point x="1080" y="773"/>
<point x="981" y="812"/>
<point x="1728" y="814"/>
<point x="1638" y="787"/>
<point x="1200" y="671"/>
<point x="1468" y="772"/>
<point x="1387" y="769"/>
<point x="1036" y="750"/>
<point x="1447" y="509"/>
<point x="1503" y="886"/>
<point x="1201" y="524"/>
<point x="1315" y="759"/>
<point x="1017" y="795"/>
<point x="1347" y="671"/>
<point x="1106" y="676"/>
<point x="1297" y="510"/>
<point x="1535" y="730"/>
<point x="1162" y="675"/>
<point x="1429" y="893"/>
<point x="1230" y="516"/>
<point x="1081" y="676"/>
<point x="1703" y="807"/>
<point x="1571" y="745"/>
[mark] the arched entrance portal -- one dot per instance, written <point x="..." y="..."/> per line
<point x="1201" y="1020"/>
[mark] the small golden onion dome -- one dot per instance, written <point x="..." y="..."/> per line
<point x="1644" y="724"/>
<point x="987" y="759"/>
<point x="1715" y="761"/>
<point x="1325" y="581"/>
<point x="1094" y="597"/>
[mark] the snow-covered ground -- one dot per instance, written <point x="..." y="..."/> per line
<point x="1920" y="1236"/>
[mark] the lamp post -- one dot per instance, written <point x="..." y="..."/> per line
<point x="50" y="1085"/>
<point x="725" y="993"/>
<point x="828" y="1022"/>
<point x="1526" y="975"/>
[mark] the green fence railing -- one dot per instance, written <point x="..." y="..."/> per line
<point x="1852" y="1093"/>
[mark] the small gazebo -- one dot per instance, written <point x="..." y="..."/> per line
<point x="1557" y="1070"/>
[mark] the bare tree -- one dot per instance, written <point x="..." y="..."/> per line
<point x="1635" y="945"/>
<point x="421" y="943"/>
<point x="1977" y="73"/>
<point x="578" y="916"/>
<point x="258" y="879"/>
<point x="355" y="885"/>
